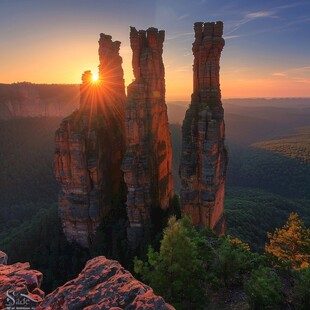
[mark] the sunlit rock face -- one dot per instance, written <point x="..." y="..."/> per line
<point x="147" y="162"/>
<point x="104" y="284"/>
<point x="90" y="144"/>
<point x="204" y="157"/>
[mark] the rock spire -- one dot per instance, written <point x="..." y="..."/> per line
<point x="90" y="144"/>
<point x="147" y="164"/>
<point x="204" y="156"/>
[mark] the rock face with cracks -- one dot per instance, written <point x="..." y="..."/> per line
<point x="204" y="157"/>
<point x="19" y="283"/>
<point x="147" y="164"/>
<point x="104" y="284"/>
<point x="90" y="144"/>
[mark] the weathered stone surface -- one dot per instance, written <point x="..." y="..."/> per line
<point x="104" y="284"/>
<point x="3" y="258"/>
<point x="204" y="157"/>
<point x="89" y="148"/>
<point x="147" y="162"/>
<point x="19" y="279"/>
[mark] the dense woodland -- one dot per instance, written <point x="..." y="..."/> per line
<point x="268" y="178"/>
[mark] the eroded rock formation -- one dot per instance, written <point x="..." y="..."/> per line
<point x="204" y="157"/>
<point x="89" y="148"/>
<point x="17" y="280"/>
<point x="104" y="284"/>
<point x="147" y="162"/>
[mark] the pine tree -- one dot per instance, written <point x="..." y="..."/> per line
<point x="177" y="271"/>
<point x="291" y="243"/>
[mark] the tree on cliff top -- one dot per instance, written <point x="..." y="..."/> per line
<point x="291" y="243"/>
<point x="176" y="272"/>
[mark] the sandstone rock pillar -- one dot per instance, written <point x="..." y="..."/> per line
<point x="148" y="159"/>
<point x="90" y="145"/>
<point x="204" y="156"/>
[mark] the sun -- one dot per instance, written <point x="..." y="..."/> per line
<point x="95" y="77"/>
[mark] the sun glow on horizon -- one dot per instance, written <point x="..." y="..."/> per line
<point x="95" y="77"/>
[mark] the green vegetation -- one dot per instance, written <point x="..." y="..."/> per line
<point x="41" y="242"/>
<point x="263" y="289"/>
<point x="27" y="182"/>
<point x="250" y="213"/>
<point x="301" y="293"/>
<point x="176" y="271"/>
<point x="192" y="265"/>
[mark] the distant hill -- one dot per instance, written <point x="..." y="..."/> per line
<point x="295" y="146"/>
<point x="29" y="100"/>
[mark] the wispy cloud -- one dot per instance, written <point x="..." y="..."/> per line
<point x="274" y="12"/>
<point x="248" y="17"/>
<point x="283" y="74"/>
<point x="182" y="16"/>
<point x="299" y="74"/>
<point x="259" y="14"/>
<point x="232" y="37"/>
<point x="178" y="35"/>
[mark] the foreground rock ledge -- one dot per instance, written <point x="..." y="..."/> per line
<point x="104" y="284"/>
<point x="19" y="279"/>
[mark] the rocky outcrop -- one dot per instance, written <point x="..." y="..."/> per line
<point x="104" y="284"/>
<point x="204" y="157"/>
<point x="19" y="283"/>
<point x="31" y="100"/>
<point x="3" y="258"/>
<point x="89" y="148"/>
<point x="148" y="159"/>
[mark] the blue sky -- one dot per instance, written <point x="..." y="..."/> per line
<point x="267" y="51"/>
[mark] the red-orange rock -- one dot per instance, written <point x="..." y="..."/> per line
<point x="18" y="281"/>
<point x="89" y="148"/>
<point x="147" y="162"/>
<point x="204" y="157"/>
<point x="104" y="284"/>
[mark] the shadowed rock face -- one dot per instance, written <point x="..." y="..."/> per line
<point x="90" y="145"/>
<point x="19" y="279"/>
<point x="204" y="157"/>
<point x="147" y="162"/>
<point x="104" y="284"/>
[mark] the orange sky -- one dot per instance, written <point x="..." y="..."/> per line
<point x="266" y="53"/>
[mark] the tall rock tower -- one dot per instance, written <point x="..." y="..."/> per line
<point x="204" y="157"/>
<point x="148" y="159"/>
<point x="90" y="145"/>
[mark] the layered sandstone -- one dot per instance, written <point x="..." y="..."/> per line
<point x="19" y="282"/>
<point x="89" y="148"/>
<point x="104" y="284"/>
<point x="147" y="162"/>
<point x="204" y="157"/>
